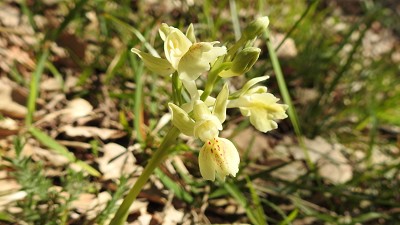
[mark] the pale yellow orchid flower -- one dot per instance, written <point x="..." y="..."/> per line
<point x="260" y="106"/>
<point x="182" y="54"/>
<point x="218" y="157"/>
<point x="205" y="123"/>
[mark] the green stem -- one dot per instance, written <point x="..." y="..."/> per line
<point x="232" y="50"/>
<point x="157" y="158"/>
<point x="213" y="78"/>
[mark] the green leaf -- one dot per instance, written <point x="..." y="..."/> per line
<point x="242" y="200"/>
<point x="290" y="218"/>
<point x="59" y="149"/>
<point x="173" y="186"/>
<point x="5" y="217"/>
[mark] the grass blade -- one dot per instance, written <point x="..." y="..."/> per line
<point x="242" y="200"/>
<point x="171" y="185"/>
<point x="59" y="149"/>
<point x="34" y="87"/>
<point x="287" y="99"/>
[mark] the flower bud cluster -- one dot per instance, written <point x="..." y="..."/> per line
<point x="203" y="115"/>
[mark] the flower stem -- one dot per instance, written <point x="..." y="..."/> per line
<point x="157" y="158"/>
<point x="213" y="78"/>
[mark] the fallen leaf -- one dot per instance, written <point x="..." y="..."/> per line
<point x="116" y="161"/>
<point x="90" y="204"/>
<point x="9" y="16"/>
<point x="8" y="127"/>
<point x="7" y="106"/>
<point x="288" y="48"/>
<point x="9" y="198"/>
<point x="332" y="164"/>
<point x="291" y="171"/>
<point x="78" y="108"/>
<point x="172" y="216"/>
<point x="51" y="84"/>
<point x="90" y="132"/>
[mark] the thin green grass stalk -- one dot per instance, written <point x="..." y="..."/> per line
<point x="34" y="87"/>
<point x="310" y="6"/>
<point x="346" y="66"/>
<point x="112" y="204"/>
<point x="50" y="36"/>
<point x="324" y="97"/>
<point x="372" y="134"/>
<point x="71" y="15"/>
<point x="235" y="19"/>
<point x="290" y="218"/>
<point x="209" y="20"/>
<point x="60" y="149"/>
<point x="116" y="63"/>
<point x="134" y="31"/>
<point x="258" y="209"/>
<point x="278" y="210"/>
<point x="287" y="99"/>
<point x="174" y="187"/>
<point x="53" y="69"/>
<point x="155" y="160"/>
<point x="138" y="106"/>
<point x="29" y="14"/>
<point x="235" y="192"/>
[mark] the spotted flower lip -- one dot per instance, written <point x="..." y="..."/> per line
<point x="218" y="158"/>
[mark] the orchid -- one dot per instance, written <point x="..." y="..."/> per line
<point x="183" y="54"/>
<point x="201" y="115"/>
<point x="260" y="106"/>
<point x="205" y="124"/>
<point x="218" y="157"/>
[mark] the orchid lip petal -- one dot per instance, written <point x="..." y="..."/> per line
<point x="218" y="158"/>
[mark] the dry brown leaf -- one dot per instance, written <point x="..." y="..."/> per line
<point x="7" y="106"/>
<point x="78" y="108"/>
<point x="288" y="48"/>
<point x="53" y="158"/>
<point x="90" y="204"/>
<point x="9" y="198"/>
<point x="51" y="84"/>
<point x="333" y="165"/>
<point x="172" y="216"/>
<point x="76" y="144"/>
<point x="116" y="161"/>
<point x="9" y="16"/>
<point x="8" y="127"/>
<point x="291" y="171"/>
<point x="90" y="132"/>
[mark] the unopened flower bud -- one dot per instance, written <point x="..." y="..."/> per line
<point x="256" y="27"/>
<point x="242" y="62"/>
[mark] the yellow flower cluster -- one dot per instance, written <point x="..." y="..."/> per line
<point x="202" y="116"/>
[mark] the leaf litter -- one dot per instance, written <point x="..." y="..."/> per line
<point x="76" y="122"/>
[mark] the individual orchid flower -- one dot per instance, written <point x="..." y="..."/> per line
<point x="183" y="54"/>
<point x="260" y="106"/>
<point x="218" y="157"/>
<point x="205" y="123"/>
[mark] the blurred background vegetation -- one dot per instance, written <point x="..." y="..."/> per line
<point x="80" y="116"/>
